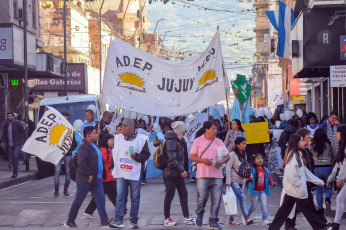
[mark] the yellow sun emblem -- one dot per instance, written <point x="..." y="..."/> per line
<point x="131" y="81"/>
<point x="208" y="78"/>
<point x="56" y="133"/>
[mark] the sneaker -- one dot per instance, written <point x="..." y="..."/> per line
<point x="199" y="221"/>
<point x="88" y="215"/>
<point x="134" y="226"/>
<point x="70" y="224"/>
<point x="266" y="222"/>
<point x="189" y="220"/>
<point x="107" y="223"/>
<point x="233" y="223"/>
<point x="215" y="225"/>
<point x="66" y="193"/>
<point x="144" y="182"/>
<point x="56" y="193"/>
<point x="246" y="222"/>
<point x="193" y="180"/>
<point x="116" y="224"/>
<point x="169" y="222"/>
<point x="126" y="217"/>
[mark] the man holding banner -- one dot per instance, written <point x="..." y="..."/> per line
<point x="130" y="151"/>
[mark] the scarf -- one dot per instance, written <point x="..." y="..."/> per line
<point x="132" y="136"/>
<point x="331" y="133"/>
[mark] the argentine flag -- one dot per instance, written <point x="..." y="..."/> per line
<point x="282" y="20"/>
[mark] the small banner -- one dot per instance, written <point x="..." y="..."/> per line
<point x="256" y="132"/>
<point x="52" y="138"/>
<point x="195" y="124"/>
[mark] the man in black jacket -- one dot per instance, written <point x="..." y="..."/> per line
<point x="89" y="176"/>
<point x="175" y="148"/>
<point x="286" y="134"/>
<point x="13" y="137"/>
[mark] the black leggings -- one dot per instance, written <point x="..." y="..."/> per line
<point x="171" y="185"/>
<point x="304" y="206"/>
<point x="110" y="189"/>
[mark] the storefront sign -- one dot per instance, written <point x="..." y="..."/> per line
<point x="76" y="80"/>
<point x="338" y="76"/>
<point x="260" y="102"/>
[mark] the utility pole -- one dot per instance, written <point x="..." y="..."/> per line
<point x="26" y="77"/>
<point x="100" y="15"/>
<point x="65" y="48"/>
<point x="140" y="23"/>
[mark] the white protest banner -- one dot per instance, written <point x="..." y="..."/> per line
<point x="138" y="81"/>
<point x="52" y="138"/>
<point x="273" y="152"/>
<point x="195" y="124"/>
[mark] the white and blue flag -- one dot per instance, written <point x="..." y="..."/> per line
<point x="282" y="20"/>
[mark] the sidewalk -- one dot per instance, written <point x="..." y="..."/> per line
<point x="23" y="176"/>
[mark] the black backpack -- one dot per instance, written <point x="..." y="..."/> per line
<point x="160" y="157"/>
<point x="72" y="167"/>
<point x="244" y="169"/>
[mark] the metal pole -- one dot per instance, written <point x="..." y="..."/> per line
<point x="26" y="78"/>
<point x="101" y="44"/>
<point x="140" y="23"/>
<point x="65" y="47"/>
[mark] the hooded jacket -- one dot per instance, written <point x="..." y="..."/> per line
<point x="285" y="137"/>
<point x="295" y="178"/>
<point x="177" y="157"/>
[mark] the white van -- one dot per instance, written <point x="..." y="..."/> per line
<point x="74" y="105"/>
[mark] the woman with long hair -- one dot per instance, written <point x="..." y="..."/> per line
<point x="340" y="177"/>
<point x="236" y="131"/>
<point x="109" y="185"/>
<point x="322" y="153"/>
<point x="237" y="157"/>
<point x="295" y="177"/>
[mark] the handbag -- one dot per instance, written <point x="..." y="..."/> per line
<point x="230" y="202"/>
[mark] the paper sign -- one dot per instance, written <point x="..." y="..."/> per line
<point x="256" y="132"/>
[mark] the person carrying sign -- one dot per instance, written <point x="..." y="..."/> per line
<point x="130" y="151"/>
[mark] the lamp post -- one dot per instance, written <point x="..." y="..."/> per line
<point x="157" y="22"/>
<point x="65" y="48"/>
<point x="26" y="77"/>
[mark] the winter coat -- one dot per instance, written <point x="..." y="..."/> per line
<point x="18" y="134"/>
<point x="232" y="167"/>
<point x="285" y="137"/>
<point x="177" y="156"/>
<point x="326" y="159"/>
<point x="87" y="163"/>
<point x="295" y="178"/>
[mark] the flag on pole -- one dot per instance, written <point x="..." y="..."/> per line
<point x="52" y="138"/>
<point x="282" y="20"/>
<point x="195" y="124"/>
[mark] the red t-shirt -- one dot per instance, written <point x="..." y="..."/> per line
<point x="107" y="162"/>
<point x="261" y="175"/>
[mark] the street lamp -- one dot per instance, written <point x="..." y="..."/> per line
<point x="157" y="22"/>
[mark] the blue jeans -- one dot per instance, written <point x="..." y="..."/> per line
<point x="135" y="193"/>
<point x="262" y="198"/>
<point x="14" y="152"/>
<point x="204" y="186"/>
<point x="57" y="171"/>
<point x="323" y="173"/>
<point x="96" y="190"/>
<point x="241" y="200"/>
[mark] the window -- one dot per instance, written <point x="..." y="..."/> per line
<point x="33" y="10"/>
<point x="15" y="9"/>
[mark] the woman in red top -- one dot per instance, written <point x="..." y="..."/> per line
<point x="109" y="185"/>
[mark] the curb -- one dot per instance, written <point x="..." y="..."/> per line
<point x="19" y="180"/>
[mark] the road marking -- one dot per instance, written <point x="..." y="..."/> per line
<point x="14" y="186"/>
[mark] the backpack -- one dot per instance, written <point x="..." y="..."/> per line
<point x="244" y="170"/>
<point x="72" y="167"/>
<point x="160" y="158"/>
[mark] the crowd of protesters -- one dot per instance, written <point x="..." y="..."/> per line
<point x="313" y="156"/>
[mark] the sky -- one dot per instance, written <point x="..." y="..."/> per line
<point x="190" y="26"/>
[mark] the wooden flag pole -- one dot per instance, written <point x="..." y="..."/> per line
<point x="228" y="115"/>
<point x="98" y="126"/>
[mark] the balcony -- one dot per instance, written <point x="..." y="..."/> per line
<point x="258" y="3"/>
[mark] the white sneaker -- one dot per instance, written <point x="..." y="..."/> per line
<point x="246" y="222"/>
<point x="266" y="222"/>
<point x="169" y="222"/>
<point x="91" y="216"/>
<point x="189" y="220"/>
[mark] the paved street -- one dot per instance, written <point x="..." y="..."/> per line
<point x="31" y="205"/>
